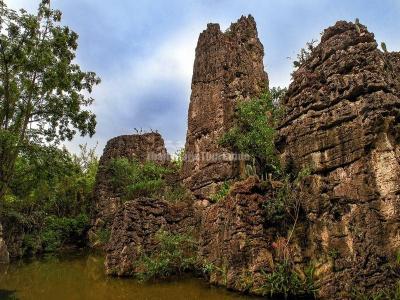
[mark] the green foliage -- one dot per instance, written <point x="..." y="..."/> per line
<point x="207" y="268"/>
<point x="254" y="132"/>
<point x="179" y="158"/>
<point x="398" y="257"/>
<point x="222" y="192"/>
<point x="176" y="193"/>
<point x="284" y="281"/>
<point x="175" y="254"/>
<point x="333" y="253"/>
<point x="276" y="207"/>
<point x="384" y="48"/>
<point x="285" y="204"/>
<point x="134" y="179"/>
<point x="305" y="53"/>
<point x="60" y="231"/>
<point x="49" y="198"/>
<point x="43" y="94"/>
<point x="137" y="179"/>
<point x="104" y="235"/>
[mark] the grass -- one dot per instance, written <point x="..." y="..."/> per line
<point x="175" y="254"/>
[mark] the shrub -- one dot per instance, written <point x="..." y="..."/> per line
<point x="137" y="179"/>
<point x="49" y="198"/>
<point x="383" y="294"/>
<point x="305" y="53"/>
<point x="104" y="235"/>
<point x="179" y="158"/>
<point x="134" y="179"/>
<point x="61" y="231"/>
<point x="176" y="193"/>
<point x="222" y="192"/>
<point x="284" y="281"/>
<point x="254" y="132"/>
<point x="285" y="205"/>
<point x="174" y="255"/>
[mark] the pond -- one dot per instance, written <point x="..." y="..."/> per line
<point x="82" y="277"/>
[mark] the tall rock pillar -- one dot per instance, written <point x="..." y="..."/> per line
<point x="228" y="67"/>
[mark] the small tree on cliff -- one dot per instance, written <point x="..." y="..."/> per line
<point x="41" y="99"/>
<point x="254" y="131"/>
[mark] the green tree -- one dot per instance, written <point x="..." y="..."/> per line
<point x="43" y="94"/>
<point x="254" y="130"/>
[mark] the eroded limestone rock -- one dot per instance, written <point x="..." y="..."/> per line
<point x="228" y="67"/>
<point x="343" y="111"/>
<point x="234" y="240"/>
<point x="143" y="147"/>
<point x="135" y="226"/>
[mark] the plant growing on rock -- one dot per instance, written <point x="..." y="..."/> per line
<point x="174" y="254"/>
<point x="383" y="294"/>
<point x="305" y="53"/>
<point x="136" y="179"/>
<point x="285" y="206"/>
<point x="179" y="158"/>
<point x="285" y="281"/>
<point x="254" y="131"/>
<point x="222" y="192"/>
<point x="148" y="179"/>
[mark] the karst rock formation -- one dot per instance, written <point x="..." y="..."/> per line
<point x="228" y="67"/>
<point x="341" y="122"/>
<point x="107" y="200"/>
<point x="343" y="111"/>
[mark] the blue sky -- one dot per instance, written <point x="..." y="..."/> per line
<point x="144" y="50"/>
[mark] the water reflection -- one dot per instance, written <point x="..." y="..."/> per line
<point x="83" y="278"/>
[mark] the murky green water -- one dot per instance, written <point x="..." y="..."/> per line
<point x="82" y="277"/>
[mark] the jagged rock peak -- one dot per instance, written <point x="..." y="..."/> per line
<point x="342" y="116"/>
<point x="228" y="67"/>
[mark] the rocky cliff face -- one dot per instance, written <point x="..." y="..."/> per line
<point x="234" y="239"/>
<point x="148" y="146"/>
<point x="135" y="226"/>
<point x="228" y="67"/>
<point x="342" y="121"/>
<point x="343" y="111"/>
<point x="4" y="255"/>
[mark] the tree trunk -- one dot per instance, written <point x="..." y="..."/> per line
<point x="8" y="157"/>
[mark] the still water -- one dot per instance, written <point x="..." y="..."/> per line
<point x="82" y="277"/>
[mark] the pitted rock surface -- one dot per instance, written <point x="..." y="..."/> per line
<point x="142" y="147"/>
<point x="228" y="67"/>
<point x="233" y="237"/>
<point x="135" y="226"/>
<point x="343" y="111"/>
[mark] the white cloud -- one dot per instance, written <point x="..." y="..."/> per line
<point x="172" y="61"/>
